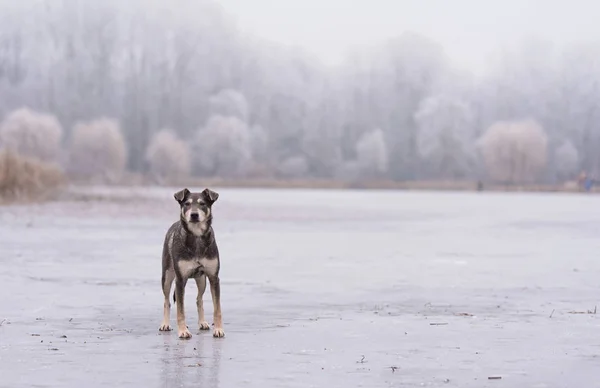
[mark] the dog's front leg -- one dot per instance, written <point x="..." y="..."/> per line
<point x="201" y="283"/>
<point x="215" y="290"/>
<point x="182" y="329"/>
<point x="167" y="282"/>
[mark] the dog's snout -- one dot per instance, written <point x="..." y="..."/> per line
<point x="194" y="216"/>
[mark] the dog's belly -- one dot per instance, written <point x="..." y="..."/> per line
<point x="197" y="266"/>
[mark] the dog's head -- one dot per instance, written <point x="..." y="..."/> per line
<point x="196" y="210"/>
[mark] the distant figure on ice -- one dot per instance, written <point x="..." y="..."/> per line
<point x="585" y="181"/>
<point x="589" y="183"/>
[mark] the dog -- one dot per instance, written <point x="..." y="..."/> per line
<point x="190" y="251"/>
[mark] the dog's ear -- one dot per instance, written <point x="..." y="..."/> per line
<point x="210" y="196"/>
<point x="180" y="196"/>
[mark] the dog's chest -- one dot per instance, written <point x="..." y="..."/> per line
<point x="198" y="265"/>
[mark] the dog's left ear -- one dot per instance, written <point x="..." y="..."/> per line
<point x="210" y="196"/>
<point x="180" y="196"/>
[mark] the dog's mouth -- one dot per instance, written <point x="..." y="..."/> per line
<point x="194" y="218"/>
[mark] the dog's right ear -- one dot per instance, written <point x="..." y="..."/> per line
<point x="210" y="196"/>
<point x="181" y="196"/>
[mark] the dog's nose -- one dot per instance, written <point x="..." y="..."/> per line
<point x="194" y="216"/>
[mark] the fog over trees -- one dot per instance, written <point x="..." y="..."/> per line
<point x="173" y="88"/>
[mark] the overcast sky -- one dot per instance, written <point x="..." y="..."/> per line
<point x="468" y="29"/>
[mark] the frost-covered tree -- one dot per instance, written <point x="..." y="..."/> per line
<point x="566" y="160"/>
<point x="259" y="139"/>
<point x="223" y="147"/>
<point x="372" y="155"/>
<point x="383" y="87"/>
<point x="293" y="167"/>
<point x="445" y="136"/>
<point x="32" y="134"/>
<point x="168" y="157"/>
<point x="229" y="103"/>
<point x="515" y="151"/>
<point x="97" y="150"/>
<point x="80" y="59"/>
<point x="576" y="111"/>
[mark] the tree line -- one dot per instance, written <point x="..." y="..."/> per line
<point x="174" y="88"/>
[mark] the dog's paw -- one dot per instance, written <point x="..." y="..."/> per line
<point x="165" y="327"/>
<point x="218" y="332"/>
<point x="204" y="325"/>
<point x="185" y="334"/>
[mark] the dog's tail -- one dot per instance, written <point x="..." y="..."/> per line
<point x="174" y="298"/>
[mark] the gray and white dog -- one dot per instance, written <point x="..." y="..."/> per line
<point x="190" y="251"/>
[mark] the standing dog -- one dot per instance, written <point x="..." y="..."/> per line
<point x="190" y="251"/>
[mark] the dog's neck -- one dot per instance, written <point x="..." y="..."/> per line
<point x="201" y="230"/>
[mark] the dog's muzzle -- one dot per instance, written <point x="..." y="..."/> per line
<point x="194" y="217"/>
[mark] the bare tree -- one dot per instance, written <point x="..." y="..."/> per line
<point x="514" y="152"/>
<point x="32" y="134"/>
<point x="168" y="157"/>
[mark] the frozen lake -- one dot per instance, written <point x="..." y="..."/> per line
<point x="319" y="289"/>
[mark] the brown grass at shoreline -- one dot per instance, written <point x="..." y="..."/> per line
<point x="24" y="179"/>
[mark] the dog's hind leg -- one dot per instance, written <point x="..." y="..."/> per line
<point x="201" y="283"/>
<point x="167" y="282"/>
<point x="182" y="329"/>
<point x="215" y="290"/>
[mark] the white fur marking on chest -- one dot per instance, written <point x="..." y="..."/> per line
<point x="208" y="266"/>
<point x="197" y="229"/>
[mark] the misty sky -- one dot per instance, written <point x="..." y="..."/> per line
<point x="468" y="29"/>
